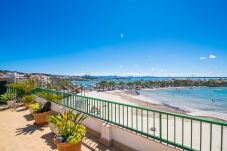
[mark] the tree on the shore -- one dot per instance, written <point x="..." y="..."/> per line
<point x="156" y="84"/>
<point x="102" y="85"/>
<point x="121" y="85"/>
<point x="130" y="85"/>
<point x="111" y="85"/>
<point x="138" y="84"/>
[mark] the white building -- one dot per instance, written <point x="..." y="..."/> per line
<point x="14" y="75"/>
<point x="44" y="79"/>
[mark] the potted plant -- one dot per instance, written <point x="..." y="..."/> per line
<point x="27" y="100"/>
<point x="41" y="114"/>
<point x="9" y="97"/>
<point x="34" y="107"/>
<point x="70" y="130"/>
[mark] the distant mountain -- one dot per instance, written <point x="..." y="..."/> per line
<point x="123" y="77"/>
<point x="103" y="77"/>
<point x="5" y="71"/>
<point x="10" y="71"/>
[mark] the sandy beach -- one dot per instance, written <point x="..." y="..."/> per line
<point x="134" y="98"/>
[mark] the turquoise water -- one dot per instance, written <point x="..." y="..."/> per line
<point x="201" y="99"/>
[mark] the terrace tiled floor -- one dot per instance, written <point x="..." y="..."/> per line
<point x="17" y="133"/>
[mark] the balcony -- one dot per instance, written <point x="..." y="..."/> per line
<point x="17" y="133"/>
<point x="131" y="127"/>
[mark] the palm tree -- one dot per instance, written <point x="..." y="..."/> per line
<point x="121" y="85"/>
<point x="130" y="85"/>
<point x="138" y="84"/>
<point x="111" y="85"/>
<point x="103" y="85"/>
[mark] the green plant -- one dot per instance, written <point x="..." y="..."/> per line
<point x="49" y="96"/>
<point x="69" y="126"/>
<point x="24" y="87"/>
<point x="35" y="107"/>
<point x="28" y="99"/>
<point x="7" y="96"/>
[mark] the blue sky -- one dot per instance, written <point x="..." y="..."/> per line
<point x="121" y="37"/>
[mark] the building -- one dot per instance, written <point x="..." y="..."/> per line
<point x="13" y="76"/>
<point x="44" y="79"/>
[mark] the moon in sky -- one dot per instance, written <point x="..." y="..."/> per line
<point x="122" y="35"/>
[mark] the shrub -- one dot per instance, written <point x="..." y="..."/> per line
<point x="28" y="99"/>
<point x="7" y="96"/>
<point x="69" y="127"/>
<point x="49" y="96"/>
<point x="24" y="87"/>
<point x="35" y="107"/>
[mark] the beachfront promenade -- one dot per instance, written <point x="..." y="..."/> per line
<point x="182" y="131"/>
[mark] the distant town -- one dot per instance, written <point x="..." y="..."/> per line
<point x="77" y="84"/>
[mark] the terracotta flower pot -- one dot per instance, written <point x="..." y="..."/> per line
<point x="41" y="118"/>
<point x="11" y="103"/>
<point x="68" y="147"/>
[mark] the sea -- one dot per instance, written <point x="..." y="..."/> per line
<point x="202" y="101"/>
<point x="198" y="101"/>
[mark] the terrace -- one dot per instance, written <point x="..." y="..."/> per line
<point x="126" y="127"/>
<point x="18" y="133"/>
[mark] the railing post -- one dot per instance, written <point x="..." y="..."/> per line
<point x="108" y="110"/>
<point x="191" y="133"/>
<point x="201" y="133"/>
<point x="67" y="100"/>
<point x="221" y="137"/>
<point x="211" y="137"/>
<point x="160" y="125"/>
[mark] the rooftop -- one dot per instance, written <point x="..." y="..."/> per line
<point x="18" y="133"/>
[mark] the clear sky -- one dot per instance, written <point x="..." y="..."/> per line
<point x="122" y="37"/>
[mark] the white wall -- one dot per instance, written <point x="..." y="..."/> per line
<point x="116" y="133"/>
<point x="137" y="142"/>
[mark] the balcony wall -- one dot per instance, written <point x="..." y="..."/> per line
<point x="114" y="135"/>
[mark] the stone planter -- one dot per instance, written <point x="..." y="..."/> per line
<point x="11" y="103"/>
<point x="68" y="147"/>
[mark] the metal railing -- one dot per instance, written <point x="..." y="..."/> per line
<point x="19" y="93"/>
<point x="177" y="130"/>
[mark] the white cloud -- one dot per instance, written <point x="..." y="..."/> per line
<point x="202" y="58"/>
<point x="212" y="57"/>
<point x="152" y="69"/>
